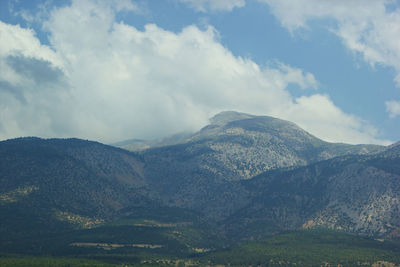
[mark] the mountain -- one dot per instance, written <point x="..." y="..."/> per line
<point x="70" y="175"/>
<point x="241" y="177"/>
<point x="55" y="193"/>
<point x="56" y="185"/>
<point x="201" y="172"/>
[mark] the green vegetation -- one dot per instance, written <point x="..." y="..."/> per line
<point x="299" y="248"/>
<point x="14" y="261"/>
<point x="162" y="232"/>
<point x="309" y="248"/>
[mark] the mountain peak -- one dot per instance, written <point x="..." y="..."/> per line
<point x="225" y="117"/>
<point x="233" y="119"/>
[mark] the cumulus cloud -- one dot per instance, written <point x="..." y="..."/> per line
<point x="214" y="5"/>
<point x="366" y="27"/>
<point x="323" y="118"/>
<point x="32" y="93"/>
<point x="393" y="107"/>
<point x="108" y="81"/>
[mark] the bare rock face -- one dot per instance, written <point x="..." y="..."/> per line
<point x="359" y="194"/>
<point x="362" y="205"/>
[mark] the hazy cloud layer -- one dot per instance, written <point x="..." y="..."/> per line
<point x="109" y="81"/>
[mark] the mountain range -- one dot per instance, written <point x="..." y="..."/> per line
<point x="241" y="177"/>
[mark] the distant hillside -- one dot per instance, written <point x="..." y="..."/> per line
<point x="55" y="185"/>
<point x="70" y="175"/>
<point x="57" y="192"/>
<point x="140" y="144"/>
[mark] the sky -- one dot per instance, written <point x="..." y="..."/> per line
<point x="121" y="69"/>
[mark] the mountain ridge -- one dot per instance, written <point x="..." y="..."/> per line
<point x="236" y="179"/>
<point x="248" y="145"/>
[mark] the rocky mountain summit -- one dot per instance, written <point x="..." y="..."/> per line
<point x="239" y="146"/>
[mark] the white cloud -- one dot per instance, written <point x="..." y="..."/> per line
<point x="321" y="117"/>
<point x="214" y="5"/>
<point x="31" y="98"/>
<point x="366" y="27"/>
<point x="109" y="81"/>
<point x="283" y="75"/>
<point x="393" y="107"/>
<point x="17" y="40"/>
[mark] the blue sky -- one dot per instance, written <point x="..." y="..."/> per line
<point x="115" y="70"/>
